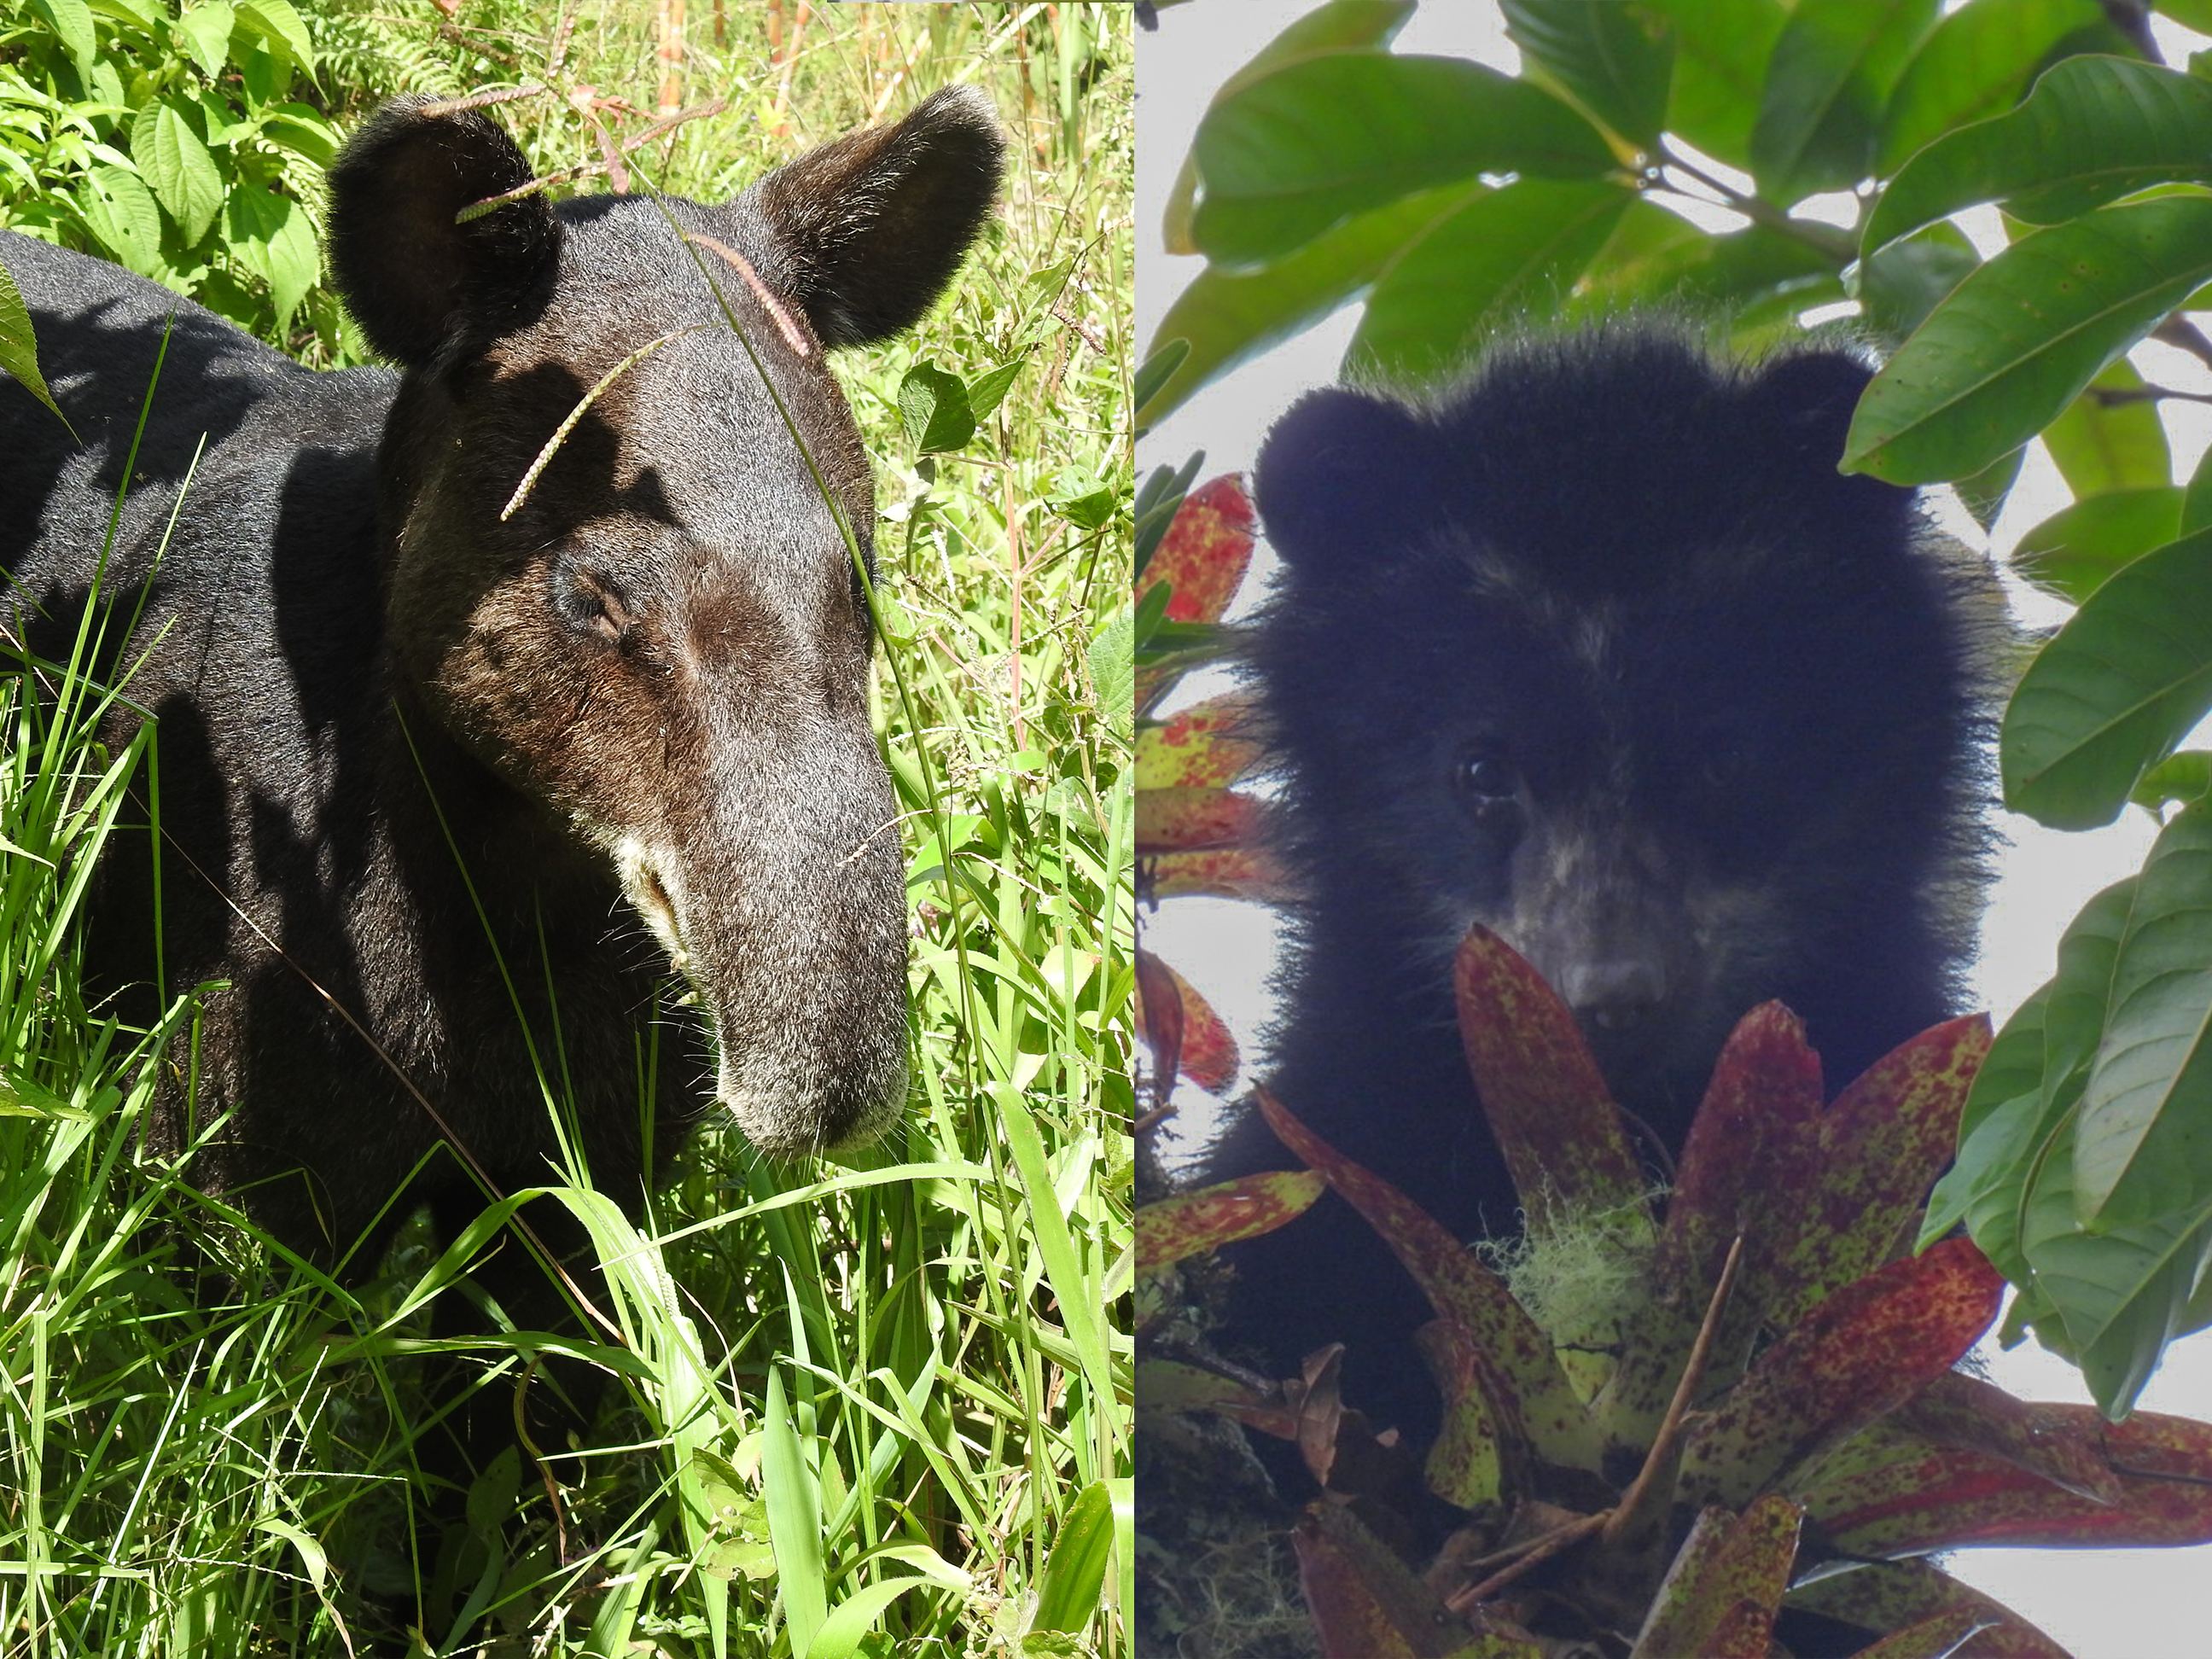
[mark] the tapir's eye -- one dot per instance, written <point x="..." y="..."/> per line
<point x="590" y="602"/>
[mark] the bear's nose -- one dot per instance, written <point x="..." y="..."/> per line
<point x="1615" y="995"/>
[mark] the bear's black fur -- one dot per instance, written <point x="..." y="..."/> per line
<point x="1599" y="649"/>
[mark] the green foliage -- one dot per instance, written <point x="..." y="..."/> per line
<point x="942" y="1463"/>
<point x="1457" y="202"/>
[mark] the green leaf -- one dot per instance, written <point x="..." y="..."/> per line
<point x="2197" y="499"/>
<point x="2105" y="441"/>
<point x="205" y="30"/>
<point x="1984" y="493"/>
<point x="18" y="351"/>
<point x="794" y="1519"/>
<point x="2020" y="337"/>
<point x="269" y="236"/>
<point x="2142" y="1140"/>
<point x="275" y="22"/>
<point x="1832" y="68"/>
<point x="1338" y="26"/>
<point x="174" y="161"/>
<point x="2073" y="552"/>
<point x="1721" y="52"/>
<point x="1320" y="141"/>
<point x="122" y="214"/>
<point x="1507" y="254"/>
<point x="988" y="390"/>
<point x="1614" y="62"/>
<point x="1741" y="272"/>
<point x="1081" y="500"/>
<point x="1974" y="65"/>
<point x="2177" y="780"/>
<point x="934" y="408"/>
<point x="2093" y="128"/>
<point x="1075" y="1571"/>
<point x="1114" y="666"/>
<point x="1225" y="318"/>
<point x="839" y="1635"/>
<point x="71" y="22"/>
<point x="2110" y="695"/>
<point x="1988" y="1148"/>
<point x="1900" y="285"/>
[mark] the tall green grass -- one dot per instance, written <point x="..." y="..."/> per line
<point x="880" y="1408"/>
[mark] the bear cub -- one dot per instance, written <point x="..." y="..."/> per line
<point x="1596" y="648"/>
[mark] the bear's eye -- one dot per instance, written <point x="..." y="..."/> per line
<point x="588" y="602"/>
<point x="1486" y="781"/>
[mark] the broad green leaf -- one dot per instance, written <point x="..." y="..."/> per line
<point x="1974" y="64"/>
<point x="297" y="128"/>
<point x="1613" y="61"/>
<point x="1508" y="254"/>
<point x="2019" y="338"/>
<point x="277" y="23"/>
<point x="121" y="212"/>
<point x="1721" y="52"/>
<point x="1983" y="494"/>
<point x="1225" y="318"/>
<point x="839" y="1635"/>
<point x="1321" y="140"/>
<point x="934" y="410"/>
<point x="2197" y="500"/>
<point x="794" y="1519"/>
<point x="19" y="349"/>
<point x="71" y="22"/>
<point x="2142" y="1140"/>
<point x="988" y="390"/>
<point x="178" y="167"/>
<point x="1990" y="1148"/>
<point x="2107" y="439"/>
<point x="1743" y="273"/>
<point x="1900" y="285"/>
<point x="1833" y="64"/>
<point x="2177" y="780"/>
<point x="204" y="29"/>
<point x="1075" y="1571"/>
<point x="2123" y="683"/>
<point x="271" y="236"/>
<point x="2073" y="552"/>
<point x="1338" y="26"/>
<point x="2093" y="128"/>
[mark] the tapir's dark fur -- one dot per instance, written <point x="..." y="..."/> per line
<point x="642" y="696"/>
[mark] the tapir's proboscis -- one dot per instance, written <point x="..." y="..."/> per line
<point x="438" y="726"/>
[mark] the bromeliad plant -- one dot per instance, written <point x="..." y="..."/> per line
<point x="1747" y="1420"/>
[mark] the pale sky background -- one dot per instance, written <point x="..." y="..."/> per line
<point x="2100" y="1604"/>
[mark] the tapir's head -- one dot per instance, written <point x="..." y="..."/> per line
<point x="659" y="632"/>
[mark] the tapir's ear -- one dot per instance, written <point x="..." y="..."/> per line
<point x="873" y="226"/>
<point x="410" y="276"/>
<point x="1344" y="478"/>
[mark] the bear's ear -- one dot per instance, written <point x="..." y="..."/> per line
<point x="871" y="227"/>
<point x="1344" y="474"/>
<point x="409" y="274"/>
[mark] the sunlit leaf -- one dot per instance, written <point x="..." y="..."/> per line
<point x="1974" y="64"/>
<point x="1206" y="552"/>
<point x="1833" y="65"/>
<point x="2107" y="439"/>
<point x="1611" y="59"/>
<point x="1209" y="744"/>
<point x="2073" y="552"/>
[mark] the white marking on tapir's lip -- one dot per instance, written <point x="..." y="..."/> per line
<point x="649" y="893"/>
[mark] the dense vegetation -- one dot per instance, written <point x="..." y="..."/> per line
<point x="893" y="1391"/>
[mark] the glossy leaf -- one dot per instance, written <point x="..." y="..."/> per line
<point x="1283" y="159"/>
<point x="1900" y="285"/>
<point x="2110" y="695"/>
<point x="1720" y="1595"/>
<point x="1857" y="1356"/>
<point x="1942" y="1498"/>
<point x="1337" y="25"/>
<point x="1506" y="255"/>
<point x="1210" y="745"/>
<point x="2094" y="128"/>
<point x="2106" y="441"/>
<point x="1610" y="59"/>
<point x="177" y="165"/>
<point x="1226" y="318"/>
<point x="1896" y="1594"/>
<point x="2020" y="337"/>
<point x="1721" y="52"/>
<point x="2072" y="552"/>
<point x="1547" y="1101"/>
<point x="2142" y="1141"/>
<point x="19" y="353"/>
<point x="1243" y="873"/>
<point x="1974" y="64"/>
<point x="1206" y="552"/>
<point x="1195" y="820"/>
<point x="1820" y="107"/>
<point x="1509" y="1359"/>
<point x="1204" y="1050"/>
<point x="1742" y="272"/>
